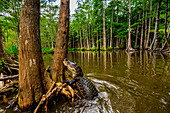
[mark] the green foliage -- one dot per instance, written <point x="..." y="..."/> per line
<point x="102" y="48"/>
<point x="110" y="48"/>
<point x="47" y="50"/>
<point x="116" y="47"/>
<point x="12" y="50"/>
<point x="94" y="48"/>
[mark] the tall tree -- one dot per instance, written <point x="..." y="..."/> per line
<point x="129" y="47"/>
<point x="165" y="29"/>
<point x="141" y="39"/>
<point x="155" y="39"/>
<point x="111" y="28"/>
<point x="149" y="28"/>
<point x="104" y="29"/>
<point x="61" y="47"/>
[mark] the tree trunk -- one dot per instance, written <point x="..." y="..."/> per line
<point x="31" y="66"/>
<point x="104" y="30"/>
<point x="165" y="31"/>
<point x="111" y="29"/>
<point x="137" y="30"/>
<point x="145" y="24"/>
<point x="147" y="41"/>
<point x="52" y="37"/>
<point x="155" y="39"/>
<point x="87" y="38"/>
<point x="61" y="48"/>
<point x="117" y="45"/>
<point x="2" y="51"/>
<point x="81" y="44"/>
<point x="129" y="47"/>
<point x="97" y="38"/>
<point x="141" y="39"/>
<point x="93" y="42"/>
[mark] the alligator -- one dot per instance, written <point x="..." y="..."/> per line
<point x="84" y="86"/>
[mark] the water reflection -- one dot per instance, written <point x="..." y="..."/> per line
<point x="127" y="82"/>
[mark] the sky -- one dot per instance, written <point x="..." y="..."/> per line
<point x="73" y="5"/>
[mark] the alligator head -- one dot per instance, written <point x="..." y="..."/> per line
<point x="73" y="67"/>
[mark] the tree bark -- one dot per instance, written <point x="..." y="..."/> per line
<point x="104" y="30"/>
<point x="149" y="28"/>
<point x="31" y="66"/>
<point x="156" y="28"/>
<point x="61" y="48"/>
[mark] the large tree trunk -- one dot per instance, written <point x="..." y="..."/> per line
<point x="61" y="48"/>
<point x="2" y="51"/>
<point x="147" y="41"/>
<point x="129" y="47"/>
<point x="31" y="66"/>
<point x="104" y="30"/>
<point x="155" y="39"/>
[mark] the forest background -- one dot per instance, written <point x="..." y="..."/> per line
<point x="95" y="25"/>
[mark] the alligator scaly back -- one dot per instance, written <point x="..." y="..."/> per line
<point x="86" y="88"/>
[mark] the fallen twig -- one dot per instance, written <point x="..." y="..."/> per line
<point x="9" y="77"/>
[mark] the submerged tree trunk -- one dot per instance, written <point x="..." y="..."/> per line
<point x="129" y="47"/>
<point x="62" y="42"/>
<point x="156" y="28"/>
<point x="104" y="30"/>
<point x="2" y="51"/>
<point x="31" y="66"/>
<point x="147" y="41"/>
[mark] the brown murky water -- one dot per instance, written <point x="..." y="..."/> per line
<point x="128" y="83"/>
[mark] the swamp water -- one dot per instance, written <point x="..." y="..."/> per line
<point x="138" y="82"/>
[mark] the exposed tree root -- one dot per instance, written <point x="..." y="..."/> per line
<point x="49" y="94"/>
